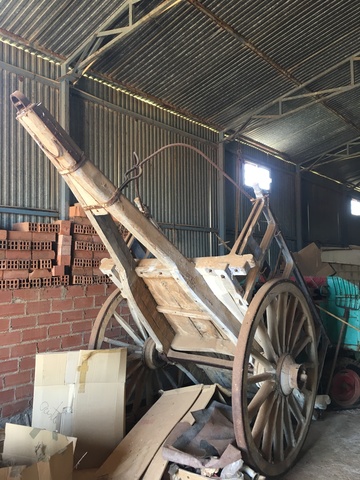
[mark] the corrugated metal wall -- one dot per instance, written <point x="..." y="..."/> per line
<point x="28" y="180"/>
<point x="178" y="185"/>
<point x="282" y="188"/>
<point x="325" y="205"/>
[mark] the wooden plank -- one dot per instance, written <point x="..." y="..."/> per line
<point x="158" y="465"/>
<point x="132" y="456"/>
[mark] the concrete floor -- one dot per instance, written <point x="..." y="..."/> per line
<point x="332" y="449"/>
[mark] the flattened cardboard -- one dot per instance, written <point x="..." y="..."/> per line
<point x="310" y="264"/>
<point x="35" y="454"/>
<point x="137" y="456"/>
<point x="82" y="394"/>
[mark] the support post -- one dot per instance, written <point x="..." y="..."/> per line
<point x="221" y="193"/>
<point x="64" y="114"/>
<point x="298" y="209"/>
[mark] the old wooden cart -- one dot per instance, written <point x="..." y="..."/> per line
<point x="205" y="310"/>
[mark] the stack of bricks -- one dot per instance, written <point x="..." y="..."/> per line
<point x="88" y="250"/>
<point x="52" y="254"/>
<point x="27" y="256"/>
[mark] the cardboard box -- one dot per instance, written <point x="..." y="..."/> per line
<point x="82" y="394"/>
<point x="309" y="261"/>
<point x="34" y="454"/>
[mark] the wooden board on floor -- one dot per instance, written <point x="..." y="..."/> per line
<point x="135" y="452"/>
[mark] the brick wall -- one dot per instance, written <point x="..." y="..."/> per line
<point x="41" y="320"/>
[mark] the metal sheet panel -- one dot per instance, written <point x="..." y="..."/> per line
<point x="178" y="185"/>
<point x="28" y="180"/>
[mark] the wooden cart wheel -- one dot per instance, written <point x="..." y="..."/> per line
<point x="274" y="377"/>
<point x="148" y="372"/>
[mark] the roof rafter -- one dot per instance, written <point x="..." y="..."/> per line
<point x="94" y="46"/>
<point x="244" y="120"/>
<point x="281" y="106"/>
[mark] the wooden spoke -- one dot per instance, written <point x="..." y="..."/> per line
<point x="295" y="409"/>
<point x="292" y="311"/>
<point x="300" y="345"/>
<point x="129" y="330"/>
<point x="282" y="312"/>
<point x="261" y="377"/>
<point x="288" y="426"/>
<point x="263" y="338"/>
<point x="261" y="359"/>
<point x="298" y="325"/>
<point x="279" y="431"/>
<point x="259" y="398"/>
<point x="269" y="432"/>
<point x="262" y="418"/>
<point x="272" y="428"/>
<point x="271" y="316"/>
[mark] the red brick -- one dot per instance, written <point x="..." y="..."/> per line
<point x="3" y="234"/>
<point x="18" y="254"/>
<point x="83" y="302"/>
<point x="38" y="333"/>
<point x="62" y="305"/>
<point x="71" y="341"/>
<point x="65" y="226"/>
<point x="3" y="254"/>
<point x="59" y="330"/>
<point x="10" y="338"/>
<point x="27" y="363"/>
<point x="58" y="270"/>
<point x="11" y="274"/>
<point x="99" y="300"/>
<point x="81" y="270"/>
<point x="40" y="273"/>
<point x="4" y="324"/>
<point x="9" y="366"/>
<point x="63" y="251"/>
<point x="75" y="291"/>
<point x="6" y="296"/>
<point x="87" y="254"/>
<point x="64" y="240"/>
<point x="4" y="353"/>
<point x="86" y="338"/>
<point x="43" y="236"/>
<point x="101" y="254"/>
<point x="55" y="292"/>
<point x="95" y="290"/>
<point x="64" y="260"/>
<point x="14" y="408"/>
<point x="12" y="309"/>
<point x="23" y="349"/>
<point x="38" y="307"/>
<point x="91" y="312"/>
<point x="19" y="378"/>
<point x="23" y="322"/>
<point x="27" y="294"/>
<point x="7" y="396"/>
<point x="24" y="391"/>
<point x="43" y="254"/>
<point x="16" y="235"/>
<point x="25" y="226"/>
<point x="72" y="316"/>
<point x="49" y="345"/>
<point x="81" y="237"/>
<point x="109" y="288"/>
<point x="49" y="318"/>
<point x="84" y="326"/>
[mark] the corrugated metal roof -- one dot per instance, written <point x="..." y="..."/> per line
<point x="221" y="64"/>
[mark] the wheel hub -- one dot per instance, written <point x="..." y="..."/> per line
<point x="150" y="356"/>
<point x="290" y="374"/>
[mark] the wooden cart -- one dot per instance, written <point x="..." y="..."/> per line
<point x="204" y="311"/>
